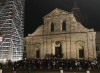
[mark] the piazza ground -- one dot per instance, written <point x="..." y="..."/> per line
<point x="44" y="72"/>
<point x="51" y="71"/>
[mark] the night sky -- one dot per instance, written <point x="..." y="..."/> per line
<point x="36" y="9"/>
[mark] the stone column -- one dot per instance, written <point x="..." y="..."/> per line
<point x="94" y="43"/>
<point x="73" y="50"/>
<point x="32" y="51"/>
<point x="49" y="47"/>
<point x="64" y="49"/>
<point x="86" y="54"/>
<point x="44" y="49"/>
<point x="53" y="48"/>
<point x="90" y="46"/>
<point x="68" y="50"/>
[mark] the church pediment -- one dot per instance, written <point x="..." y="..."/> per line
<point x="56" y="12"/>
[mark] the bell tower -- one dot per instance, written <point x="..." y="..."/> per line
<point x="83" y="19"/>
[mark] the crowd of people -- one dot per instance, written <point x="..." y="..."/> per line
<point x="55" y="64"/>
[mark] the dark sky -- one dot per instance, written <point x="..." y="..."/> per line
<point x="36" y="9"/>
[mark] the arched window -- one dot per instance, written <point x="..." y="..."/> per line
<point x="52" y="27"/>
<point x="64" y="25"/>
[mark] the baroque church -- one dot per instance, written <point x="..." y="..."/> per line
<point x="62" y="35"/>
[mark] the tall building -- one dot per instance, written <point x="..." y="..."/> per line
<point x="11" y="29"/>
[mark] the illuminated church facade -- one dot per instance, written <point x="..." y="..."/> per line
<point x="62" y="36"/>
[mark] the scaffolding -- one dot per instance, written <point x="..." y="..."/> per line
<point x="12" y="30"/>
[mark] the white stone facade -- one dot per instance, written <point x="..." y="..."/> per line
<point x="72" y="40"/>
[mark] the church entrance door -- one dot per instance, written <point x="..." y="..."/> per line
<point x="58" y="52"/>
<point x="58" y="49"/>
<point x="37" y="54"/>
<point x="81" y="53"/>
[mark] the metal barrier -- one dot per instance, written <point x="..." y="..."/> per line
<point x="0" y="70"/>
<point x="61" y="71"/>
<point x="87" y="71"/>
<point x="14" y="71"/>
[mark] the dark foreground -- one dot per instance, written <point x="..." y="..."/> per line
<point x="52" y="66"/>
<point x="51" y="71"/>
<point x="45" y="72"/>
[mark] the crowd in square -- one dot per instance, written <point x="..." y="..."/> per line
<point x="56" y="64"/>
<point x="53" y="64"/>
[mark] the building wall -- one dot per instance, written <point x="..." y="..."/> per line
<point x="98" y="43"/>
<point x="72" y="39"/>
